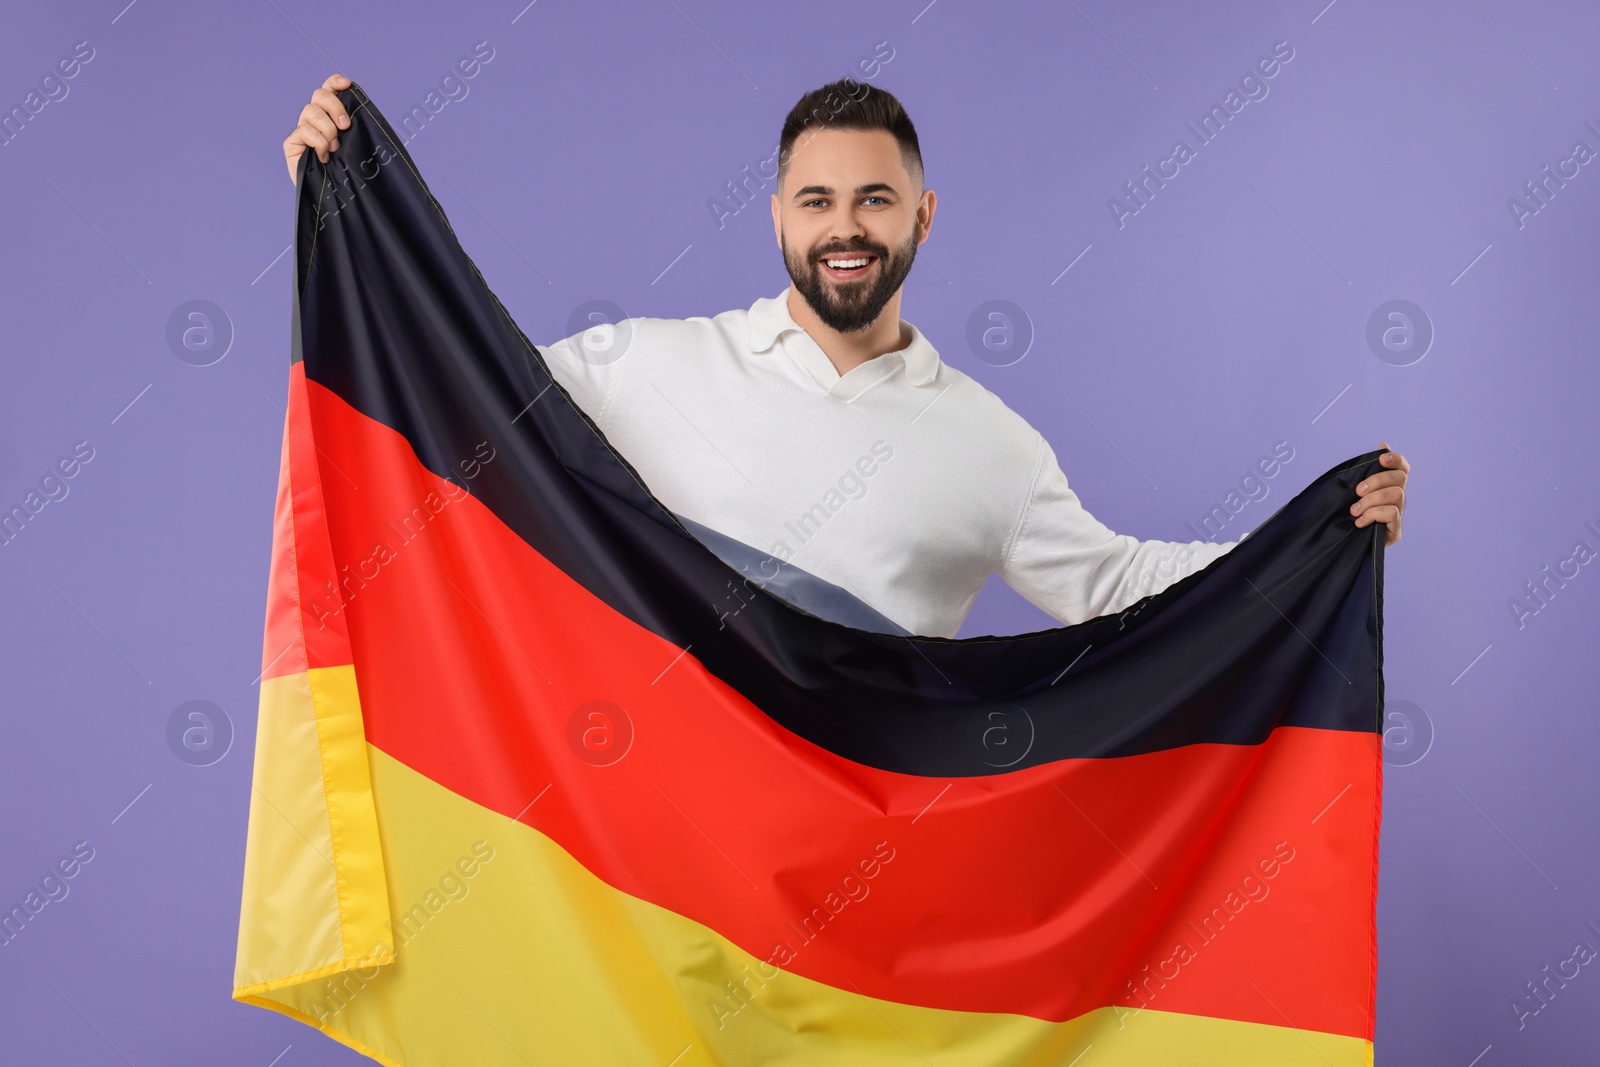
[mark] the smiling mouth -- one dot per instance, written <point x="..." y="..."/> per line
<point x="848" y="267"/>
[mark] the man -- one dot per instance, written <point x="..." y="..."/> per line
<point x="821" y="430"/>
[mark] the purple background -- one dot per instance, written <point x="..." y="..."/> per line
<point x="1227" y="315"/>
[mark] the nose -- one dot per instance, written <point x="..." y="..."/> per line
<point x="846" y="224"/>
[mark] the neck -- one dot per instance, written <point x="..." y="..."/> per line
<point x="847" y="351"/>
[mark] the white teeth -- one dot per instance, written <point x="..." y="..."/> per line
<point x="843" y="264"/>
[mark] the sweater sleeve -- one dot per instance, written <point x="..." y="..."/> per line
<point x="1074" y="568"/>
<point x="589" y="364"/>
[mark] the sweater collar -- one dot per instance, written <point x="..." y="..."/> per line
<point x="770" y="319"/>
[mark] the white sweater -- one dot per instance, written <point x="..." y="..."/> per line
<point x="904" y="481"/>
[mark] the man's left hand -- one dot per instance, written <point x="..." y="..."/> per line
<point x="1383" y="496"/>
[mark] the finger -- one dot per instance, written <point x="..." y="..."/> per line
<point x="1394" y="460"/>
<point x="313" y="139"/>
<point x="328" y="102"/>
<point x="1388" y="513"/>
<point x="336" y="82"/>
<point x="1394" y="498"/>
<point x="315" y="117"/>
<point x="1393" y="495"/>
<point x="1381" y="479"/>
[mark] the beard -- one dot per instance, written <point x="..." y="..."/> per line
<point x="849" y="306"/>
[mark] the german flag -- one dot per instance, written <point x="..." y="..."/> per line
<point x="521" y="797"/>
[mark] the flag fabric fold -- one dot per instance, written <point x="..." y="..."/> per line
<point x="527" y="791"/>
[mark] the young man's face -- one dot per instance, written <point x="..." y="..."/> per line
<point x="849" y="218"/>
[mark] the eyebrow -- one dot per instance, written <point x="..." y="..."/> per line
<point x="861" y="190"/>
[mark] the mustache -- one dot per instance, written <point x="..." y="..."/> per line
<point x="858" y="246"/>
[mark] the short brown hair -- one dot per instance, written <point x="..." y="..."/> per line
<point x="847" y="104"/>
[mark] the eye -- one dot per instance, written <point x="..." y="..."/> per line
<point x="809" y="203"/>
<point x="869" y="199"/>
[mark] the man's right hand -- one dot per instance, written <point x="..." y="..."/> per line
<point x="320" y="123"/>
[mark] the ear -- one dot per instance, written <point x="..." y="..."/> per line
<point x="925" y="206"/>
<point x="777" y="221"/>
